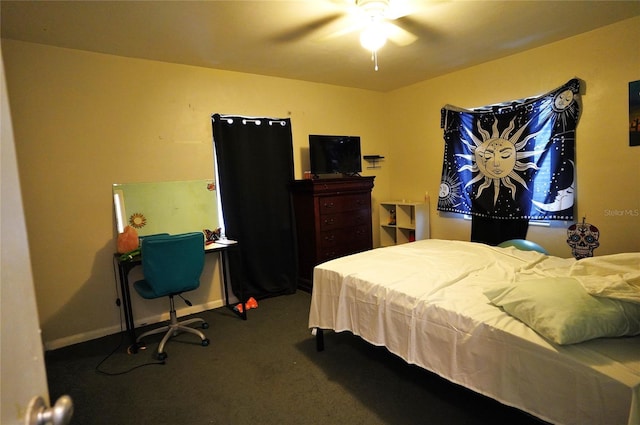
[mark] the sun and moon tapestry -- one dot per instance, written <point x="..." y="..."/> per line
<point x="514" y="160"/>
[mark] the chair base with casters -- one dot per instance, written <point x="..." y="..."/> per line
<point x="174" y="328"/>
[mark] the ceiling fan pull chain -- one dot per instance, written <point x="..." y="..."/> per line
<point x="374" y="58"/>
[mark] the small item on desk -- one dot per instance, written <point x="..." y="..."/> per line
<point x="211" y="236"/>
<point x="226" y="241"/>
<point x="128" y="240"/>
<point x="129" y="255"/>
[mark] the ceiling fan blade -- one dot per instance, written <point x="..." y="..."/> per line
<point x="420" y="28"/>
<point x="343" y="31"/>
<point x="399" y="8"/>
<point x="352" y="21"/>
<point x="307" y="29"/>
<point x="397" y="35"/>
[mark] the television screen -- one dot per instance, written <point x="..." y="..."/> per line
<point x="334" y="154"/>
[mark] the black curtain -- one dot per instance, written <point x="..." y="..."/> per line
<point x="493" y="231"/>
<point x="255" y="168"/>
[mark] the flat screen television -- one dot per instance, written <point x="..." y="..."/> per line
<point x="334" y="154"/>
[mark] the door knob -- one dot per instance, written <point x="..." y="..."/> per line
<point x="39" y="414"/>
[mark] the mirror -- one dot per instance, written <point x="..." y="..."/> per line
<point x="166" y="207"/>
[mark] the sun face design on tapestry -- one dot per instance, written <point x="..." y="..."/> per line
<point x="513" y="160"/>
<point x="497" y="159"/>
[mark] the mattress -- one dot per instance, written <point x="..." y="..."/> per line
<point x="425" y="302"/>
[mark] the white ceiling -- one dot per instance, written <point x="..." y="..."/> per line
<point x="293" y="39"/>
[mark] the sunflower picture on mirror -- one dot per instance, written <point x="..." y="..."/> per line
<point x="137" y="220"/>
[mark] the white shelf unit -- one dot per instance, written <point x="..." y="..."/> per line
<point x="402" y="222"/>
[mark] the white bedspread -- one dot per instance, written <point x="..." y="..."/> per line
<point x="424" y="301"/>
<point x="613" y="276"/>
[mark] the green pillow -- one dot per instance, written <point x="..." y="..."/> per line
<point x="561" y="310"/>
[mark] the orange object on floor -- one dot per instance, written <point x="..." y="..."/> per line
<point x="250" y="303"/>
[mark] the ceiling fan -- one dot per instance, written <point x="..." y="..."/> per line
<point x="379" y="28"/>
<point x="373" y="18"/>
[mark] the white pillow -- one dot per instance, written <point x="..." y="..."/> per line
<point x="562" y="311"/>
<point x="611" y="276"/>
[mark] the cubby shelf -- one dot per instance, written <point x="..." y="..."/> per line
<point x="402" y="222"/>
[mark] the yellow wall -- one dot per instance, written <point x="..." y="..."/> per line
<point x="84" y="121"/>
<point x="608" y="170"/>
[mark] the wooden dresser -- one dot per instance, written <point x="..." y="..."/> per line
<point x="333" y="219"/>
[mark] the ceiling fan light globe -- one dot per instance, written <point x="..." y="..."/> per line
<point x="372" y="39"/>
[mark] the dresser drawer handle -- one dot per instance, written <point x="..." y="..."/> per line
<point x="328" y="204"/>
<point x="330" y="238"/>
<point x="329" y="221"/>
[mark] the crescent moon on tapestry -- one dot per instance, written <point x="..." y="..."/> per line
<point x="564" y="198"/>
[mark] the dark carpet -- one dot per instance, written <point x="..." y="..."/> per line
<point x="265" y="370"/>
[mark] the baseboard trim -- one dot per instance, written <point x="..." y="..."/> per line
<point x="99" y="333"/>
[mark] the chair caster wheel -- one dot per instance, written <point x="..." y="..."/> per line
<point x="162" y="356"/>
<point x="205" y="325"/>
<point x="205" y="342"/>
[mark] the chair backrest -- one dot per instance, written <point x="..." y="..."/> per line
<point x="523" y="245"/>
<point x="173" y="263"/>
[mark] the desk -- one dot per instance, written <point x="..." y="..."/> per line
<point x="125" y="266"/>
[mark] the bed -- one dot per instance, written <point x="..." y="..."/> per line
<point x="458" y="309"/>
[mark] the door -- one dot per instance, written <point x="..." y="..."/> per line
<point x="23" y="374"/>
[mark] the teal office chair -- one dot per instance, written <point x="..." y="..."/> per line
<point x="172" y="264"/>
<point x="523" y="245"/>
